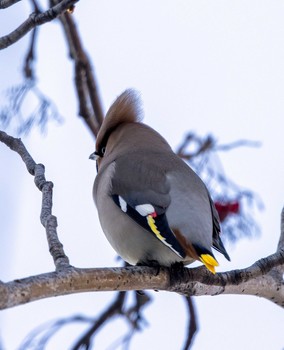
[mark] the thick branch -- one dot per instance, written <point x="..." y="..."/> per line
<point x="34" y="20"/>
<point x="260" y="279"/>
<point x="48" y="220"/>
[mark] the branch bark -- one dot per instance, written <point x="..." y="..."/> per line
<point x="90" y="105"/>
<point x="7" y="3"/>
<point x="260" y="279"/>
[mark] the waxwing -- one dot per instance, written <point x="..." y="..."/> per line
<point x="153" y="208"/>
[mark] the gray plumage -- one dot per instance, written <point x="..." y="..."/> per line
<point x="138" y="172"/>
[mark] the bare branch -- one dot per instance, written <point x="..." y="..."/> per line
<point x="38" y="338"/>
<point x="234" y="204"/>
<point x="118" y="307"/>
<point x="35" y="19"/>
<point x="281" y="239"/>
<point x="7" y="3"/>
<point x="192" y="323"/>
<point x="35" y="5"/>
<point x="18" y="146"/>
<point x="14" y="113"/>
<point x="90" y="106"/>
<point x="200" y="146"/>
<point x="260" y="279"/>
<point x="114" y="309"/>
<point x="236" y="144"/>
<point x="30" y="57"/>
<point x="48" y="220"/>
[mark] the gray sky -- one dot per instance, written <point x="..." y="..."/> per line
<point x="208" y="66"/>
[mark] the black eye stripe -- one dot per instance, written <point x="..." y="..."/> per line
<point x="101" y="152"/>
<point x="104" y="140"/>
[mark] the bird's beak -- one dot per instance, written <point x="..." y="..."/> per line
<point x="94" y="156"/>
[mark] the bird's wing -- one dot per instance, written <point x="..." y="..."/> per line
<point x="141" y="191"/>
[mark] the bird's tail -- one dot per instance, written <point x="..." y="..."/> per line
<point x="219" y="246"/>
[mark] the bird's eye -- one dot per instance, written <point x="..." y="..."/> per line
<point x="103" y="150"/>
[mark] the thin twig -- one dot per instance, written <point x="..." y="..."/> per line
<point x="48" y="220"/>
<point x="117" y="308"/>
<point x="36" y="6"/>
<point x="114" y="309"/>
<point x="202" y="146"/>
<point x="36" y="19"/>
<point x="38" y="338"/>
<point x="90" y="106"/>
<point x="30" y="57"/>
<point x="133" y="314"/>
<point x="192" y="323"/>
<point x="237" y="144"/>
<point x="281" y="239"/>
<point x="208" y="144"/>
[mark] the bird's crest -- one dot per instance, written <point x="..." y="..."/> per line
<point x="125" y="109"/>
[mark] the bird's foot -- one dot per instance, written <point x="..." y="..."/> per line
<point x="151" y="263"/>
<point x="177" y="272"/>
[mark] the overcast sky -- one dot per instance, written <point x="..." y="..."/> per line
<point x="205" y="66"/>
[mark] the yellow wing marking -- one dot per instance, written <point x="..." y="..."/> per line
<point x="151" y="223"/>
<point x="209" y="262"/>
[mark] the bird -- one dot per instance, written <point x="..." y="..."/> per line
<point x="153" y="208"/>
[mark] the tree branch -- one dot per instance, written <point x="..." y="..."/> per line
<point x="236" y="144"/>
<point x="7" y="3"/>
<point x="115" y="308"/>
<point x="35" y="19"/>
<point x="48" y="220"/>
<point x="281" y="239"/>
<point x="90" y="106"/>
<point x="200" y="146"/>
<point x="30" y="57"/>
<point x="192" y="323"/>
<point x="207" y="144"/>
<point x="260" y="279"/>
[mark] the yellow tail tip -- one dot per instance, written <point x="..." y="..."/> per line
<point x="209" y="262"/>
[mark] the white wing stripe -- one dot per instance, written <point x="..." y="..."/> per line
<point x="145" y="209"/>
